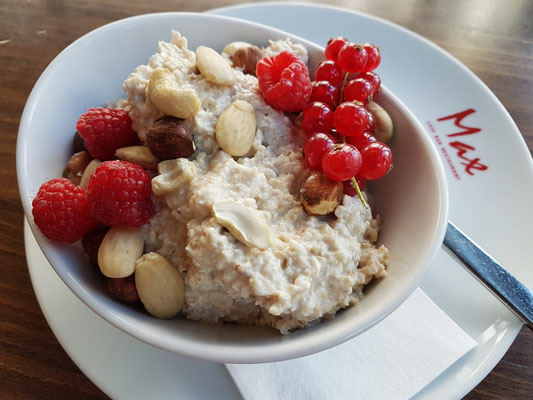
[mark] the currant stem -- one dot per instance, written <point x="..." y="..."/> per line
<point x="359" y="194"/>
<point x="344" y="79"/>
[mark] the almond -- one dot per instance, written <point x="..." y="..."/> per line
<point x="160" y="285"/>
<point x="214" y="67"/>
<point x="235" y="128"/>
<point x="88" y="172"/>
<point x="320" y="195"/>
<point x="168" y="139"/>
<point x="247" y="58"/>
<point x="75" y="167"/>
<point x="140" y="155"/>
<point x="119" y="251"/>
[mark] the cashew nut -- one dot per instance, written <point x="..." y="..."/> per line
<point x="172" y="175"/>
<point x="169" y="98"/>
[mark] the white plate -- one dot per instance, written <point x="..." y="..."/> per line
<point x="91" y="342"/>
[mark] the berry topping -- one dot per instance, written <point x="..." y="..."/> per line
<point x="333" y="47"/>
<point x="359" y="90"/>
<point x="119" y="194"/>
<point x="350" y="119"/>
<point x="371" y="123"/>
<point x="374" y="57"/>
<point x="104" y="130"/>
<point x="377" y="159"/>
<point x="373" y="78"/>
<point x="329" y="71"/>
<point x="284" y="81"/>
<point x="315" y="147"/>
<point x="61" y="211"/>
<point x="352" y="57"/>
<point x="317" y="117"/>
<point x="341" y="162"/>
<point x="348" y="186"/>
<point x="361" y="141"/>
<point x="325" y="92"/>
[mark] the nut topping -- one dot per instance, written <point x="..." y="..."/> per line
<point x="214" y="67"/>
<point x="320" y="195"/>
<point x="244" y="223"/>
<point x="172" y="175"/>
<point x="235" y="129"/>
<point x="119" y="251"/>
<point x="247" y="57"/>
<point x="123" y="289"/>
<point x="384" y="128"/>
<point x="160" y="285"/>
<point x="231" y="48"/>
<point x="171" y="99"/>
<point x="167" y="139"/>
<point x="139" y="155"/>
<point x="75" y="167"/>
<point x="88" y="172"/>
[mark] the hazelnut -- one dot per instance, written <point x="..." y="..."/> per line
<point x="75" y="167"/>
<point x="247" y="57"/>
<point x="124" y="289"/>
<point x="167" y="139"/>
<point x="320" y="195"/>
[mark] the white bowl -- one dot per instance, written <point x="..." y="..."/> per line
<point x="412" y="199"/>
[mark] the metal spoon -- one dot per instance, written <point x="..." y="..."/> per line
<point x="505" y="286"/>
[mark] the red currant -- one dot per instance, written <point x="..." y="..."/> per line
<point x="341" y="162"/>
<point x="373" y="78"/>
<point x="359" y="90"/>
<point x="329" y="71"/>
<point x="317" y="117"/>
<point x="361" y="141"/>
<point x="374" y="57"/>
<point x="315" y="147"/>
<point x="334" y="46"/>
<point x="377" y="159"/>
<point x="350" y="119"/>
<point x="348" y="185"/>
<point x="371" y="123"/>
<point x="352" y="57"/>
<point x="325" y="92"/>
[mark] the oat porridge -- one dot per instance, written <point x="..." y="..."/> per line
<point x="241" y="221"/>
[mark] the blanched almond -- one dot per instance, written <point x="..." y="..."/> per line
<point x="235" y="128"/>
<point x="140" y="155"/>
<point x="119" y="251"/>
<point x="160" y="285"/>
<point x="213" y="67"/>
<point x="231" y="48"/>
<point x="84" y="182"/>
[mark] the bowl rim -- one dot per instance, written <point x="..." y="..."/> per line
<point x="214" y="352"/>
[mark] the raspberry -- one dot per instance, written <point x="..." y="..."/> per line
<point x="104" y="130"/>
<point x="61" y="211"/>
<point x="119" y="194"/>
<point x="284" y="81"/>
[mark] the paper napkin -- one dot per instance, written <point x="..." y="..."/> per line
<point x="393" y="360"/>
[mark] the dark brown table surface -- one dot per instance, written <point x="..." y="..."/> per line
<point x="493" y="38"/>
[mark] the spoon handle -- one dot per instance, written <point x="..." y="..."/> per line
<point x="500" y="282"/>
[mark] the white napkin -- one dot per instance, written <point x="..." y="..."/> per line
<point x="393" y="360"/>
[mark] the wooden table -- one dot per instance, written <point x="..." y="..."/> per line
<point x="493" y="38"/>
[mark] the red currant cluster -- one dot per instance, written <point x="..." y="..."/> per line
<point x="339" y="127"/>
